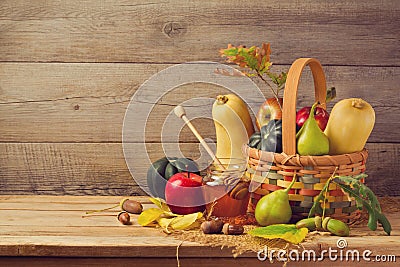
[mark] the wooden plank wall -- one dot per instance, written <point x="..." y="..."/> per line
<point x="69" y="68"/>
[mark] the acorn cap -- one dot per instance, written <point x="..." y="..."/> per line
<point x="318" y="223"/>
<point x="325" y="223"/>
<point x="121" y="203"/>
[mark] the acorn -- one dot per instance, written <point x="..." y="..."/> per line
<point x="325" y="223"/>
<point x="125" y="204"/>
<point x="131" y="206"/>
<point x="124" y="218"/>
<point x="212" y="226"/>
<point x="232" y="229"/>
<point x="318" y="223"/>
<point x="308" y="223"/>
<point x="337" y="227"/>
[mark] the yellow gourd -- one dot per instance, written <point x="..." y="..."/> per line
<point x="233" y="125"/>
<point x="349" y="126"/>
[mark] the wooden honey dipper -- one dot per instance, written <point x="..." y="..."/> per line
<point x="181" y="113"/>
<point x="239" y="187"/>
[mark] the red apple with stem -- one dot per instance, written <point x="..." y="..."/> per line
<point x="183" y="193"/>
<point x="320" y="115"/>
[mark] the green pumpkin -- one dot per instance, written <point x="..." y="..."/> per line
<point x="269" y="138"/>
<point x="161" y="170"/>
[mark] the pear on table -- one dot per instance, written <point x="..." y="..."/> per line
<point x="274" y="208"/>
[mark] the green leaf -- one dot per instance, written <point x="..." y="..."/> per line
<point x="231" y="52"/>
<point x="365" y="198"/>
<point x="150" y="215"/>
<point x="330" y="94"/>
<point x="288" y="232"/>
<point x="278" y="79"/>
<point x="249" y="59"/>
<point x="317" y="208"/>
<point x="263" y="65"/>
<point x="387" y="227"/>
<point x="272" y="76"/>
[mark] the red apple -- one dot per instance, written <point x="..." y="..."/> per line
<point x="269" y="110"/>
<point x="183" y="193"/>
<point x="320" y="114"/>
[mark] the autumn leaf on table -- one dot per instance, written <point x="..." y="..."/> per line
<point x="167" y="220"/>
<point x="149" y="216"/>
<point x="164" y="223"/>
<point x="160" y="203"/>
<point x="287" y="232"/>
<point x="185" y="221"/>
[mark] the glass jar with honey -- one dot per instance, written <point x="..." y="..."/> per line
<point x="225" y="191"/>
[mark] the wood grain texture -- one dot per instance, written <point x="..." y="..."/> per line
<point x="165" y="262"/>
<point x="337" y="32"/>
<point x="87" y="102"/>
<point x="57" y="233"/>
<point x="68" y="70"/>
<point x="100" y="168"/>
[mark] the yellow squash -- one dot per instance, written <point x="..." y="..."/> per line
<point x="349" y="126"/>
<point x="233" y="125"/>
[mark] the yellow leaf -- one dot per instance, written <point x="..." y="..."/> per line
<point x="296" y="238"/>
<point x="185" y="221"/>
<point x="164" y="223"/>
<point x="150" y="215"/>
<point x="160" y="203"/>
<point x="288" y="232"/>
<point x="195" y="225"/>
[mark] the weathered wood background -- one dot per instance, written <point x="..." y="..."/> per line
<point x="68" y="70"/>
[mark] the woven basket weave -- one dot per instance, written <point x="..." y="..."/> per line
<point x="270" y="171"/>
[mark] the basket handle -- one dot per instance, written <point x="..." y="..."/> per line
<point x="290" y="97"/>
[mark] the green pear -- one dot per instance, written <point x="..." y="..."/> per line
<point x="311" y="141"/>
<point x="274" y="208"/>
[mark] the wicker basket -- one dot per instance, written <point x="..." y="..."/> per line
<point x="270" y="171"/>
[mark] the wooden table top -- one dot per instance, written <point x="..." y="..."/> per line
<point x="50" y="231"/>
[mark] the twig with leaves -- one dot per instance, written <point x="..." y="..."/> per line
<point x="363" y="195"/>
<point x="257" y="60"/>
